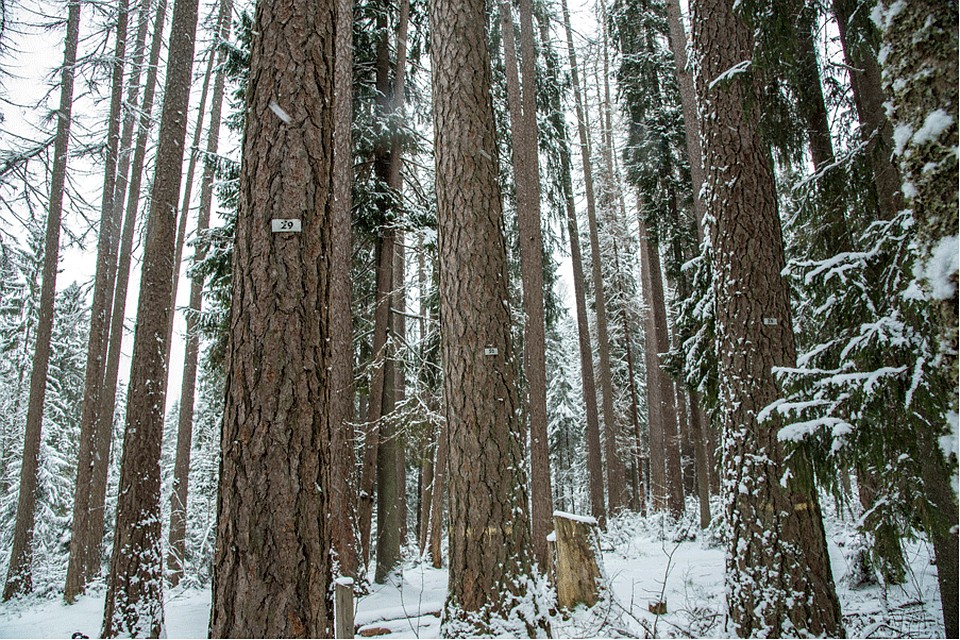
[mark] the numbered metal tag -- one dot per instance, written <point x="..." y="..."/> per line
<point x="285" y="225"/>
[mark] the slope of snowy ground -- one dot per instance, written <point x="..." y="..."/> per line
<point x="644" y="561"/>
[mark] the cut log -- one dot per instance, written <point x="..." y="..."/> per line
<point x="578" y="572"/>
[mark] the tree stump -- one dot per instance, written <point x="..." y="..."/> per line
<point x="343" y="608"/>
<point x="578" y="572"/>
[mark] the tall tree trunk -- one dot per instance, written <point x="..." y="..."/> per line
<point x="391" y="466"/>
<point x="859" y="37"/>
<point x="490" y="565"/>
<point x="592" y="437"/>
<point x="177" y="547"/>
<point x="920" y="72"/>
<point x="688" y="105"/>
<point x="343" y="459"/>
<point x="603" y="340"/>
<point x="20" y="573"/>
<point x="382" y="372"/>
<point x="635" y="480"/>
<point x="439" y="494"/>
<point x="100" y="472"/>
<point x="187" y="196"/>
<point x="778" y="572"/>
<point x="134" y="599"/>
<point x="666" y="482"/>
<point x="272" y="564"/>
<point x="609" y="197"/>
<point x="86" y="537"/>
<point x="831" y="233"/>
<point x="522" y="104"/>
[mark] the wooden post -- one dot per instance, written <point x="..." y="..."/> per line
<point x="343" y="608"/>
<point x="578" y="574"/>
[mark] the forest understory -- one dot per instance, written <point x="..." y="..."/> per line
<point x="645" y="560"/>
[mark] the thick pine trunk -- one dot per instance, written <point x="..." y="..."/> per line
<point x="134" y="599"/>
<point x="778" y="572"/>
<point x="273" y="564"/>
<point x="177" y="547"/>
<point x="19" y="575"/>
<point x="490" y="562"/>
<point x="87" y="535"/>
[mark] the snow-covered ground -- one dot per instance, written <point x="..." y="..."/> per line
<point x="643" y="561"/>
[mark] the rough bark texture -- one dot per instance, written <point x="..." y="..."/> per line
<point x="86" y="538"/>
<point x="778" y="573"/>
<point x="603" y="340"/>
<point x="134" y="599"/>
<point x="177" y="547"/>
<point x="920" y="72"/>
<point x="342" y="518"/>
<point x="490" y="563"/>
<point x="272" y="564"/>
<point x="19" y="575"/>
<point x="666" y="483"/>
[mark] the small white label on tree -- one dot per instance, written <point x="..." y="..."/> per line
<point x="770" y="322"/>
<point x="490" y="351"/>
<point x="282" y="225"/>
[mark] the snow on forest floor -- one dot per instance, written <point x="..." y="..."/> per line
<point x="642" y="560"/>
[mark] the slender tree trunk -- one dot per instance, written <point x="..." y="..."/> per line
<point x="603" y="341"/>
<point x="381" y="375"/>
<point x="778" y="572"/>
<point x="343" y="519"/>
<point x="666" y="482"/>
<point x="490" y="565"/>
<point x="20" y="573"/>
<point x="688" y="105"/>
<point x="439" y="494"/>
<point x="187" y="196"/>
<point x="631" y="379"/>
<point x="177" y="547"/>
<point x="134" y="599"/>
<point x="272" y="564"/>
<point x="86" y="537"/>
<point x="522" y="104"/>
<point x="391" y="467"/>
<point x="859" y="39"/>
<point x="592" y="436"/>
<point x="609" y="197"/>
